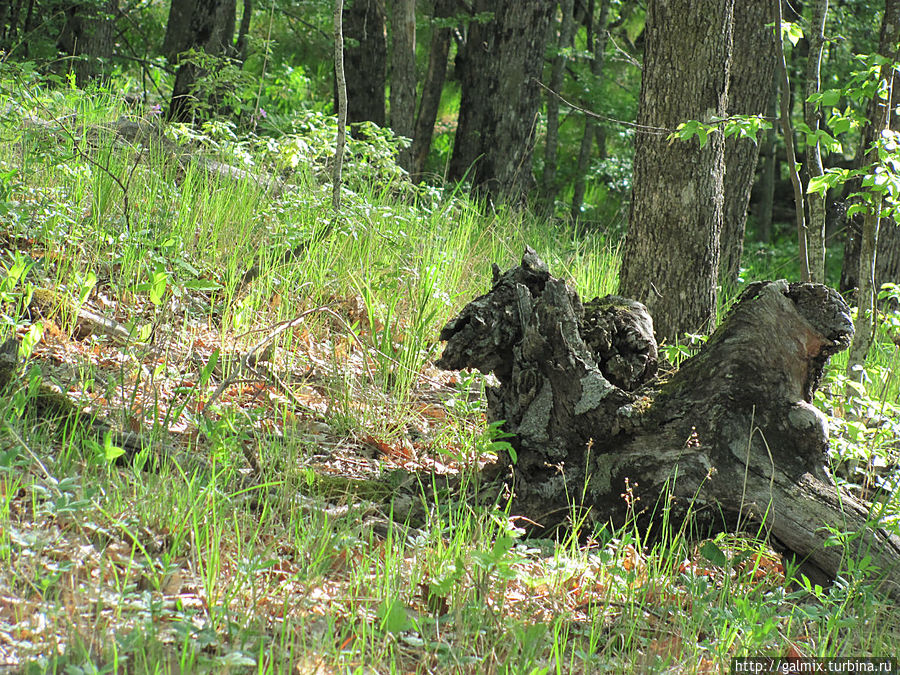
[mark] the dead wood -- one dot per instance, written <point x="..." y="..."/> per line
<point x="730" y="442"/>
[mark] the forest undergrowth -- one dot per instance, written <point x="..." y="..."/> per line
<point x="223" y="381"/>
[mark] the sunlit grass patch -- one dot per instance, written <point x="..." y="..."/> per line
<point x="274" y="361"/>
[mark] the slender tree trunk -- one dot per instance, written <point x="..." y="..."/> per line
<point x="812" y="115"/>
<point x="10" y="33"/>
<point x="240" y="46"/>
<point x="403" y="74"/>
<point x="178" y="29"/>
<point x="671" y="253"/>
<point x="88" y="34"/>
<point x="888" y="264"/>
<point x="501" y="68"/>
<point x="211" y="31"/>
<point x="564" y="41"/>
<point x="6" y="29"/>
<point x="432" y="87"/>
<point x="749" y="90"/>
<point x="29" y="23"/>
<point x="473" y="64"/>
<point x="788" y="134"/>
<point x="341" y="84"/>
<point x="868" y="248"/>
<point x="591" y="127"/>
<point x="365" y="61"/>
<point x="769" y="173"/>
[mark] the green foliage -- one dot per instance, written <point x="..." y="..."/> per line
<point x="278" y="578"/>
<point x="741" y="126"/>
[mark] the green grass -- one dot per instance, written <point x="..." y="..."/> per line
<point x="270" y="549"/>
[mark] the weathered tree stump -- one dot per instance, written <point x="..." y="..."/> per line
<point x="731" y="441"/>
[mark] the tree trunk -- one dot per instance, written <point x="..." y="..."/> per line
<point x="500" y="69"/>
<point x="432" y="87"/>
<point x="340" y="79"/>
<point x="788" y="134"/>
<point x="365" y="61"/>
<point x="887" y="264"/>
<point x="9" y="23"/>
<point x="888" y="269"/>
<point x="88" y="35"/>
<point x="211" y="30"/>
<point x="671" y="253"/>
<point x="868" y="248"/>
<point x="770" y="171"/>
<point x="590" y="124"/>
<point x="178" y="29"/>
<point x="240" y="45"/>
<point x="403" y="74"/>
<point x="729" y="442"/>
<point x="749" y="90"/>
<point x="29" y="25"/>
<point x="812" y="115"/>
<point x="564" y="41"/>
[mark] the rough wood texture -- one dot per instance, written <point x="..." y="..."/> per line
<point x="670" y="259"/>
<point x="730" y="441"/>
<point x="499" y="70"/>
<point x="750" y="84"/>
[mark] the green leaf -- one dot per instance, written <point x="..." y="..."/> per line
<point x="856" y="208"/>
<point x="111" y="452"/>
<point x="791" y="31"/>
<point x="702" y="135"/>
<point x="818" y="185"/>
<point x="201" y="285"/>
<point x="840" y="124"/>
<point x="158" y="282"/>
<point x="85" y="287"/>
<point x="831" y="97"/>
<point x="713" y="554"/>
<point x="208" y="369"/>
<point x="31" y="339"/>
<point x="393" y="616"/>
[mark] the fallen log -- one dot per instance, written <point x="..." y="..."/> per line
<point x="729" y="442"/>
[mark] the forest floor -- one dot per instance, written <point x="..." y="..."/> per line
<point x="244" y="382"/>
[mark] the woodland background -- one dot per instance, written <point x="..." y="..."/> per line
<point x="220" y="321"/>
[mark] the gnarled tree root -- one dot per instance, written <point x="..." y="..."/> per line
<point x="731" y="441"/>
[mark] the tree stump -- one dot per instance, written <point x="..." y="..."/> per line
<point x="731" y="441"/>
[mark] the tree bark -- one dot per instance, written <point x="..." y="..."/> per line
<point x="551" y="147"/>
<point x="240" y="45"/>
<point x="341" y="86"/>
<point x="788" y="134"/>
<point x="211" y="30"/>
<point x="432" y="87"/>
<point x="178" y="29"/>
<point x="749" y="90"/>
<point x="812" y="116"/>
<point x="730" y="442"/>
<point x="671" y="253"/>
<point x="88" y="35"/>
<point x="868" y="248"/>
<point x="590" y="124"/>
<point x="770" y="171"/>
<point x="888" y="259"/>
<point x="499" y="70"/>
<point x="403" y="74"/>
<point x="365" y="61"/>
